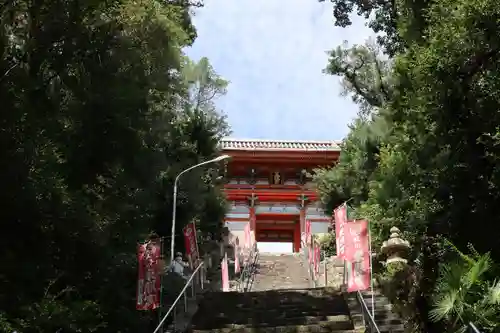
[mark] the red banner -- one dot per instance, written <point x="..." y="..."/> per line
<point x="148" y="283"/>
<point x="225" y="274"/>
<point x="340" y="214"/>
<point x="191" y="243"/>
<point x="357" y="255"/>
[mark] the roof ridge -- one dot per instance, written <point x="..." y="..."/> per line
<point x="230" y="139"/>
<point x="262" y="144"/>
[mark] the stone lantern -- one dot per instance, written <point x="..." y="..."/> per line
<point x="224" y="240"/>
<point x="396" y="249"/>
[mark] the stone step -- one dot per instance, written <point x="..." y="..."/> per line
<point x="335" y="304"/>
<point x="392" y="320"/>
<point x="276" y="310"/>
<point x="386" y="319"/>
<point x="385" y="315"/>
<point x="321" y="327"/>
<point x="282" y="298"/>
<point x="267" y="316"/>
<point x="278" y="301"/>
<point x="317" y="292"/>
<point x="377" y="299"/>
<point x="391" y="328"/>
<point x="380" y="307"/>
<point x="273" y="312"/>
<point x="256" y="321"/>
<point x="305" y="304"/>
<point x="369" y="293"/>
<point x="383" y="311"/>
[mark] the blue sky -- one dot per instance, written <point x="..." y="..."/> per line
<point x="273" y="53"/>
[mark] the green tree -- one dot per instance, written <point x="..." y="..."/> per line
<point x="366" y="75"/>
<point x="93" y="131"/>
<point x="434" y="172"/>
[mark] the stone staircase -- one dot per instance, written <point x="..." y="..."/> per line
<point x="281" y="300"/>
<point x="285" y="310"/>
<point x="385" y="317"/>
<point x="280" y="271"/>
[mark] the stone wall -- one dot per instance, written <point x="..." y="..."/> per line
<point x="334" y="273"/>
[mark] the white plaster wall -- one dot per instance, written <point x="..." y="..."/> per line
<point x="319" y="227"/>
<point x="271" y="247"/>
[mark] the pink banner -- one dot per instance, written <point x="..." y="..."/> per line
<point x="340" y="214"/>
<point x="317" y="258"/>
<point x="236" y="258"/>
<point x="148" y="283"/>
<point x="308" y="232"/>
<point x="191" y="243"/>
<point x="357" y="255"/>
<point x="225" y="274"/>
<point x="246" y="237"/>
<point x="311" y="254"/>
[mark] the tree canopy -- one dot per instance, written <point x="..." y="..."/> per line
<point x="424" y="153"/>
<point x="100" y="111"/>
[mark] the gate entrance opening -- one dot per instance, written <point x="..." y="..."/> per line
<point x="276" y="236"/>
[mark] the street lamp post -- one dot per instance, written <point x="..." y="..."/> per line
<point x="174" y="208"/>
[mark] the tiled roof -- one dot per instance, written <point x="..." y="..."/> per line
<point x="253" y="144"/>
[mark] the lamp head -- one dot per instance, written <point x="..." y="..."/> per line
<point x="222" y="157"/>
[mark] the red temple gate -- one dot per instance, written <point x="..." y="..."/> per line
<point x="268" y="186"/>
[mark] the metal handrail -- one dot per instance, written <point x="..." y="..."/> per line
<point x="245" y="268"/>
<point x="252" y="268"/>
<point x="366" y="313"/>
<point x="251" y="260"/>
<point x="473" y="328"/>
<point x="183" y="291"/>
<point x="310" y="267"/>
<point x="251" y="275"/>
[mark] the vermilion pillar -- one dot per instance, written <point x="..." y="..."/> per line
<point x="296" y="238"/>
<point x="302" y="221"/>
<point x="253" y="219"/>
<point x="253" y="224"/>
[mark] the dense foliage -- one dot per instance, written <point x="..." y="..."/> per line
<point x="424" y="153"/>
<point x="100" y="111"/>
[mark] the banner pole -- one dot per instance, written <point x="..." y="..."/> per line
<point x="371" y="267"/>
<point x="344" y="277"/>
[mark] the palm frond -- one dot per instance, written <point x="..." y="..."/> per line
<point x="480" y="266"/>
<point x="485" y="313"/>
<point x="493" y="296"/>
<point x="450" y="278"/>
<point x="445" y="307"/>
<point x="463" y="256"/>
